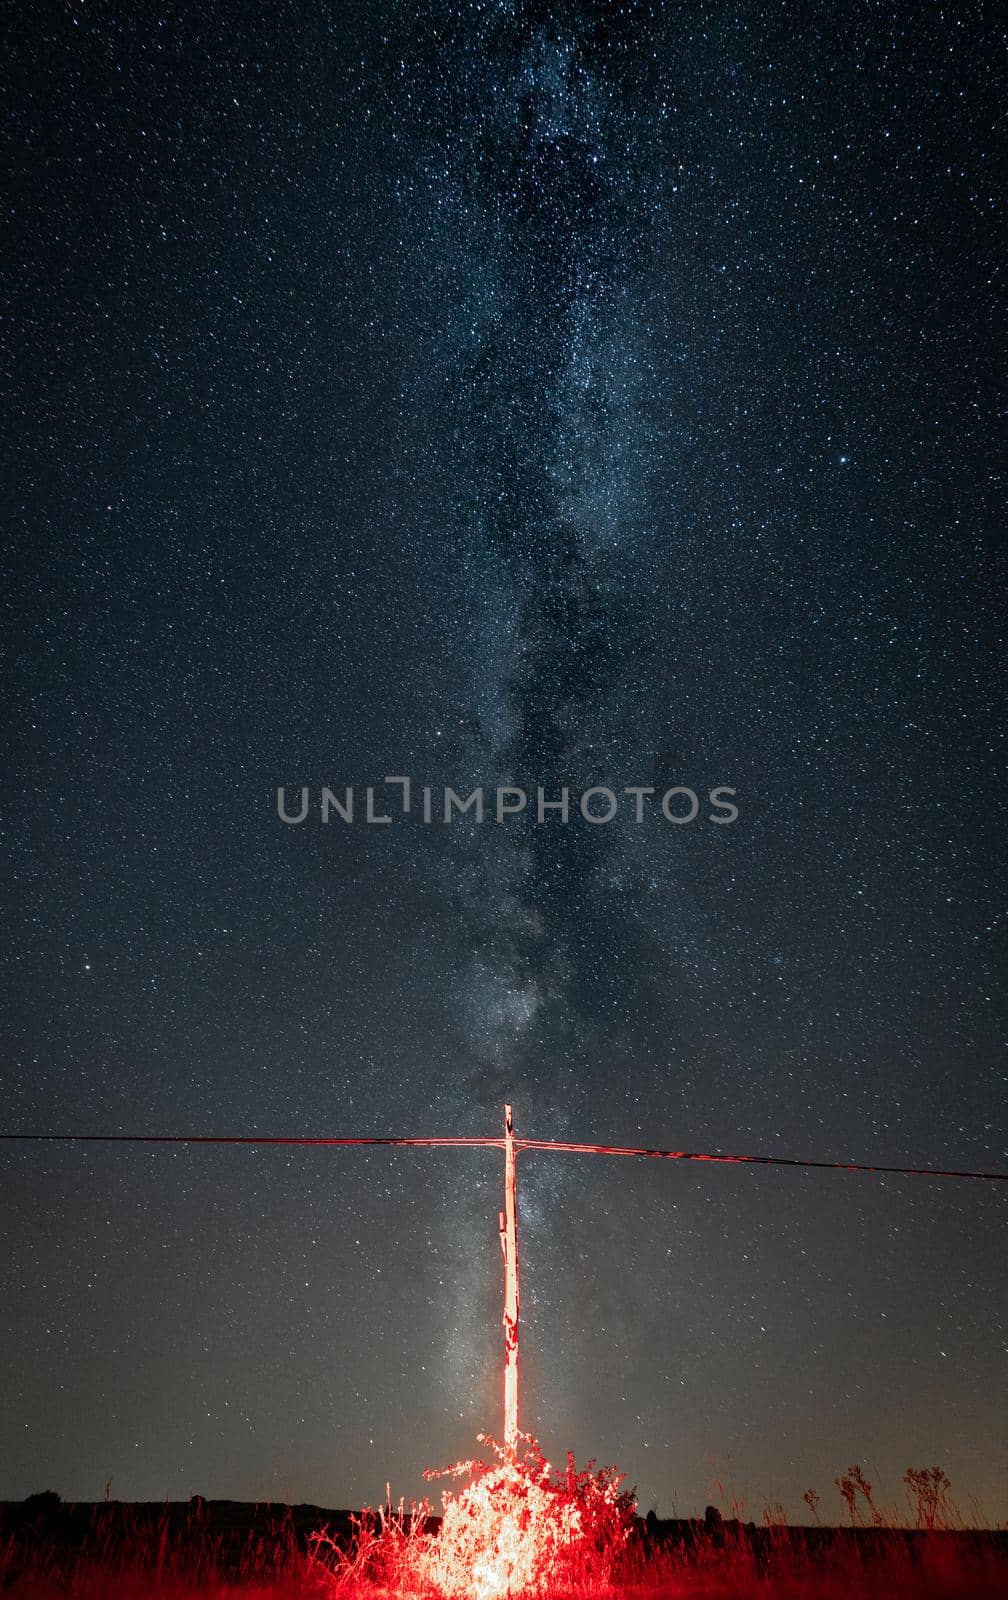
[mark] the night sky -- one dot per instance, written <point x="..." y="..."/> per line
<point x="494" y="394"/>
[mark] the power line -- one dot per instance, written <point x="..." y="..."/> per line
<point x="759" y="1161"/>
<point x="466" y="1142"/>
<point x="255" y="1138"/>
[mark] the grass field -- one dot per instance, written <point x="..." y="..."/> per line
<point x="208" y="1550"/>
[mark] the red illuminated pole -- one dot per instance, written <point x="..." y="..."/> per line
<point x="509" y="1244"/>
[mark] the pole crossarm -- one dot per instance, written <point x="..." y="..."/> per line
<point x="554" y="1146"/>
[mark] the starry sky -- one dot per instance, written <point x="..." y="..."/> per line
<point x="502" y="394"/>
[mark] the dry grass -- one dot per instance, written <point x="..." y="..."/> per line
<point x="217" y="1552"/>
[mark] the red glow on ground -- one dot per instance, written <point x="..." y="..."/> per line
<point x="518" y="1528"/>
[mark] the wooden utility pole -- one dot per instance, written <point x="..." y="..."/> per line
<point x="509" y="1244"/>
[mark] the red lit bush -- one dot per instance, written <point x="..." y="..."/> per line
<point x="518" y="1528"/>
